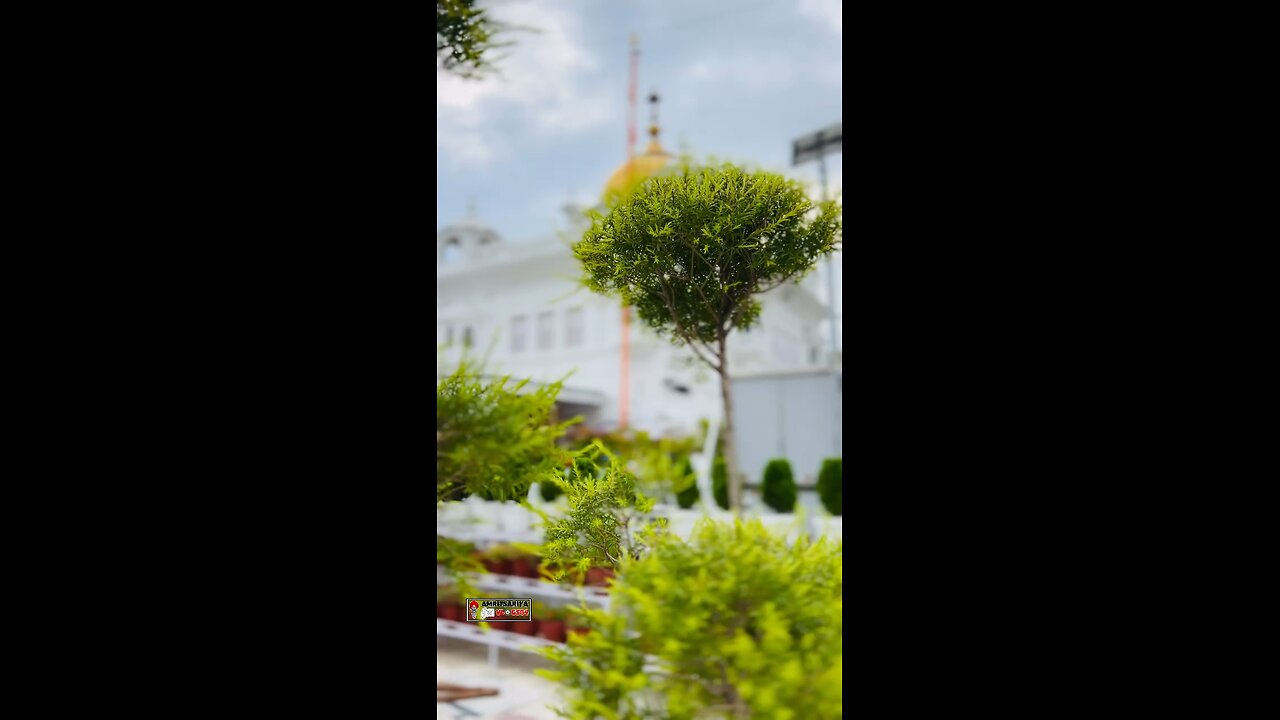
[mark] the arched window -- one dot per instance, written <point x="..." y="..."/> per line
<point x="452" y="253"/>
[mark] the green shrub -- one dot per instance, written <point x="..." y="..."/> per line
<point x="736" y="620"/>
<point x="779" y="488"/>
<point x="549" y="491"/>
<point x="720" y="483"/>
<point x="831" y="485"/>
<point x="687" y="497"/>
<point x="494" y="438"/>
<point x="587" y="467"/>
<point x="605" y="523"/>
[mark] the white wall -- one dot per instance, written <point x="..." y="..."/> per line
<point x="796" y="417"/>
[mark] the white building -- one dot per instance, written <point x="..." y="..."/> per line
<point x="520" y="307"/>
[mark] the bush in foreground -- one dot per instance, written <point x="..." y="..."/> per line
<point x="741" y="624"/>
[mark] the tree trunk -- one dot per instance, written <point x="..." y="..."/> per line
<point x="730" y="459"/>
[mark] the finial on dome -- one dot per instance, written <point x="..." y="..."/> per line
<point x="653" y="115"/>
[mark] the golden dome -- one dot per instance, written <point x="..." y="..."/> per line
<point x="635" y="171"/>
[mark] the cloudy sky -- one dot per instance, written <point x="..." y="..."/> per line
<point x="739" y="80"/>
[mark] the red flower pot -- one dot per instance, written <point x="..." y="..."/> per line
<point x="524" y="628"/>
<point x="578" y="631"/>
<point x="524" y="567"/>
<point x="552" y="630"/>
<point x="599" y="576"/>
<point x="449" y="611"/>
<point x="497" y="567"/>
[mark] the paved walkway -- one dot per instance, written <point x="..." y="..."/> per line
<point x="521" y="694"/>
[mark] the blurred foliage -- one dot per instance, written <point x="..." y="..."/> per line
<point x="779" y="487"/>
<point x="736" y="623"/>
<point x="659" y="464"/>
<point x="465" y="37"/>
<point x="494" y="438"/>
<point x="458" y="558"/>
<point x="831" y="485"/>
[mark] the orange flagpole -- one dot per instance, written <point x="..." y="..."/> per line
<point x="624" y="381"/>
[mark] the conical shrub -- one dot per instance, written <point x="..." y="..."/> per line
<point x="831" y="485"/>
<point x="687" y="497"/>
<point x="720" y="483"/>
<point x="779" y="487"/>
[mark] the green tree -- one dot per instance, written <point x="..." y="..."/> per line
<point x="735" y="621"/>
<point x="465" y="37"/>
<point x="691" y="251"/>
<point x="779" y="487"/>
<point x="831" y="485"/>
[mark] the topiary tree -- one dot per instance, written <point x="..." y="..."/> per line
<point x="719" y="483"/>
<point x="831" y="485"/>
<point x="735" y="622"/>
<point x="691" y="251"/>
<point x="688" y="496"/>
<point x="779" y="487"/>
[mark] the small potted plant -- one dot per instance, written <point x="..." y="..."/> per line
<point x="497" y="560"/>
<point x="599" y="576"/>
<point x="526" y="628"/>
<point x="524" y="561"/>
<point x="550" y="623"/>
<point x="575" y="624"/>
<point x="448" y="603"/>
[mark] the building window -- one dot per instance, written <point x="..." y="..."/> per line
<point x="546" y="330"/>
<point x="452" y="252"/>
<point x="573" y="327"/>
<point x="519" y="333"/>
<point x="466" y="337"/>
<point x="448" y="335"/>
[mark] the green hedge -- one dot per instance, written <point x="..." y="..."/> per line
<point x="549" y="491"/>
<point x="831" y="485"/>
<point x="687" y="497"/>
<point x="779" y="487"/>
<point x="720" y="483"/>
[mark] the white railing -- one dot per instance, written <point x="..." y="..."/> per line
<point x="510" y="583"/>
<point x="472" y="632"/>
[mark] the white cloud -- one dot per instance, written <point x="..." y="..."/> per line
<point x="756" y="71"/>
<point x="543" y="79"/>
<point x="826" y="12"/>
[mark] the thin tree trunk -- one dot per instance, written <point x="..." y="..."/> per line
<point x="730" y="459"/>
